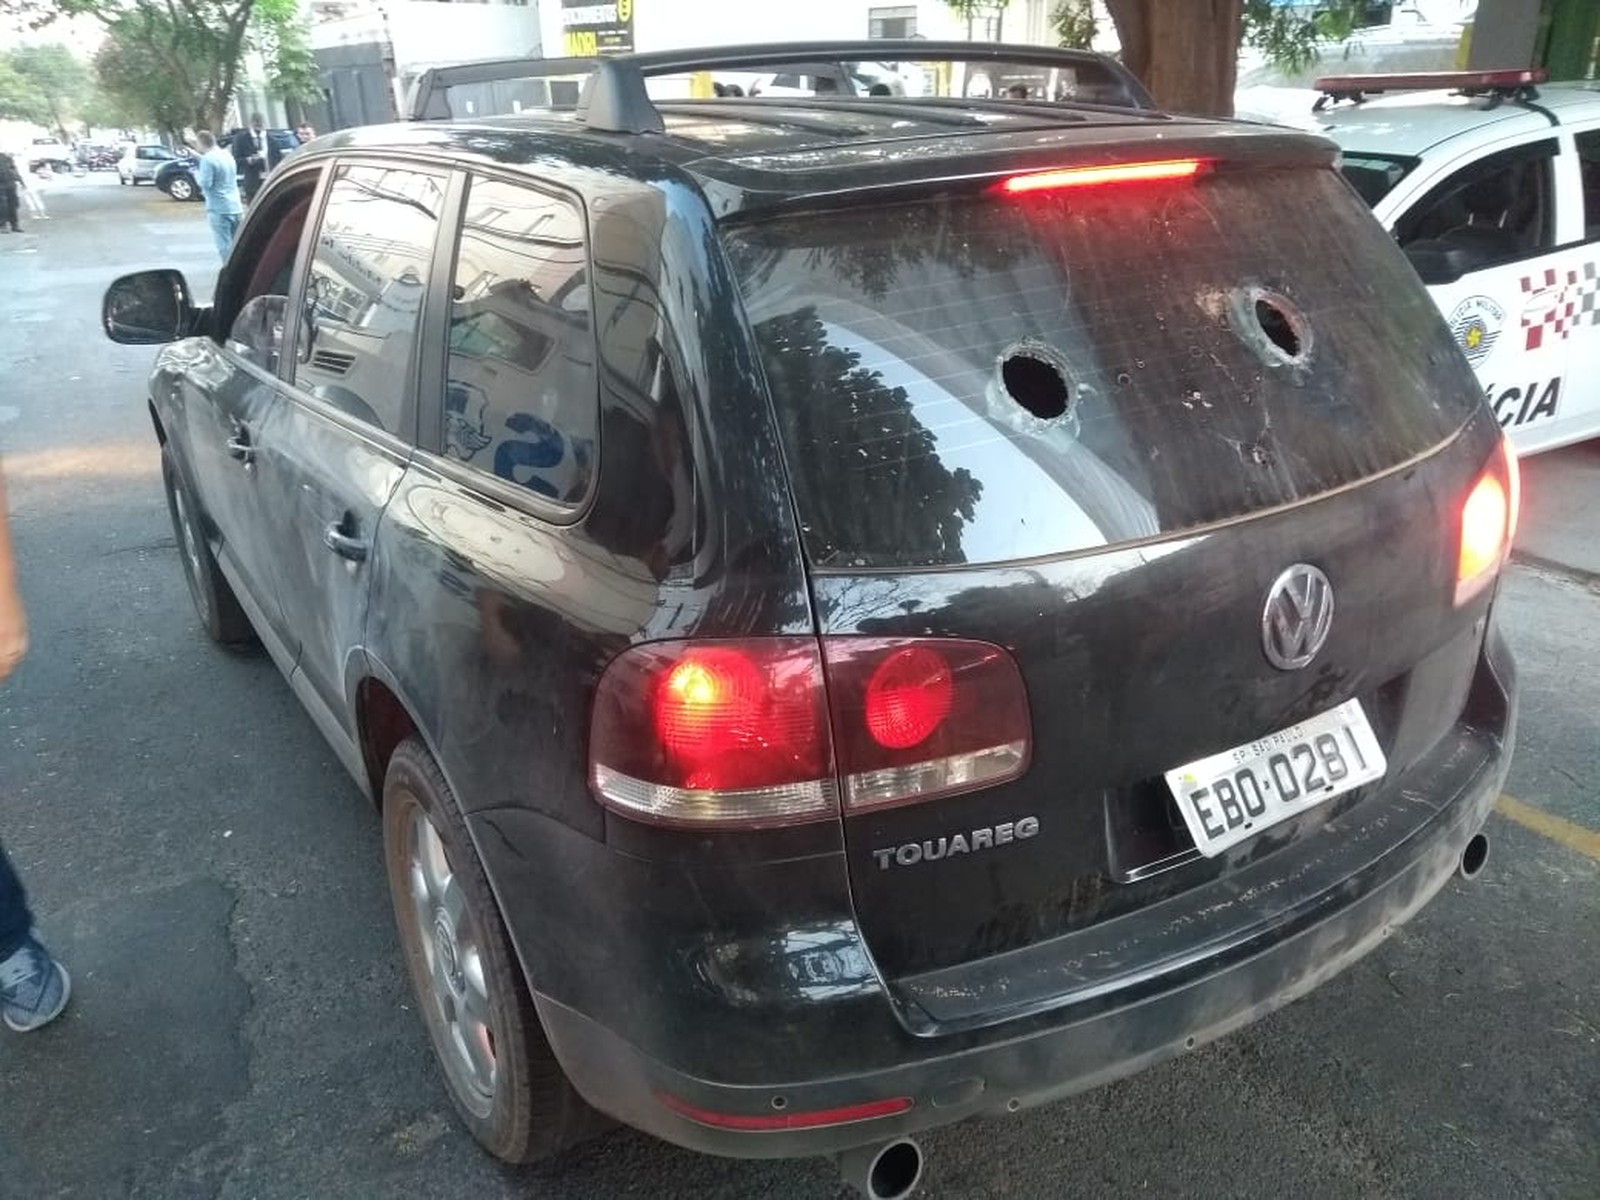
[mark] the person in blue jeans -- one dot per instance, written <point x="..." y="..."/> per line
<point x="219" y="184"/>
<point x="33" y="986"/>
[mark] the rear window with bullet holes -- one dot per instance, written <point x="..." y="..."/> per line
<point x="980" y="379"/>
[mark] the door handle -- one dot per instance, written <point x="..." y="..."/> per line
<point x="239" y="447"/>
<point x="343" y="544"/>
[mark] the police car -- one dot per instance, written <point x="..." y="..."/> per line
<point x="1490" y="181"/>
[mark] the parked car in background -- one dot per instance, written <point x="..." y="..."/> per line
<point x="176" y="177"/>
<point x="49" y="151"/>
<point x="279" y="143"/>
<point x="855" y="612"/>
<point x="139" y="163"/>
<point x="1490" y="183"/>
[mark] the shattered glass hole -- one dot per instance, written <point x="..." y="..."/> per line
<point x="1280" y="326"/>
<point x="1038" y="385"/>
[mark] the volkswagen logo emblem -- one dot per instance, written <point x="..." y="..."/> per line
<point x="1299" y="612"/>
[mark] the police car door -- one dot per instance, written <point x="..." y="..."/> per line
<point x="1490" y="242"/>
<point x="1580" y="405"/>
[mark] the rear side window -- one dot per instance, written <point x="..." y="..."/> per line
<point x="1374" y="175"/>
<point x="520" y="390"/>
<point x="1589" y="166"/>
<point x="985" y="379"/>
<point x="363" y="303"/>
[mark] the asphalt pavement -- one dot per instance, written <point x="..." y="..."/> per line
<point x="241" y="1026"/>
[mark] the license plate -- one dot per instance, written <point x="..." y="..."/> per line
<point x="1233" y="795"/>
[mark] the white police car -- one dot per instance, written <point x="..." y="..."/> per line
<point x="1490" y="181"/>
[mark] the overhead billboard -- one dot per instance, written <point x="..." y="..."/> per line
<point x="590" y="30"/>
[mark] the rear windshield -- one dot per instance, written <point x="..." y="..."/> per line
<point x="991" y="378"/>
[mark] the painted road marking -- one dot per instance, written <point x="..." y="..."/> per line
<point x="1558" y="829"/>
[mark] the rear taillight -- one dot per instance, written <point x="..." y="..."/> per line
<point x="1488" y="523"/>
<point x="715" y="733"/>
<point x="740" y="733"/>
<point x="915" y="720"/>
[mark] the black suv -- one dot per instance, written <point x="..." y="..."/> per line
<point x="857" y="610"/>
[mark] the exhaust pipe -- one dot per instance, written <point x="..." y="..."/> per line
<point x="1475" y="855"/>
<point x="886" y="1171"/>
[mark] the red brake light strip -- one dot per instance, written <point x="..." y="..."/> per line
<point x="1113" y="173"/>
<point x="786" y="1120"/>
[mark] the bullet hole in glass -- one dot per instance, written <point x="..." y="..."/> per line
<point x="1278" y="326"/>
<point x="1273" y="328"/>
<point x="1035" y="382"/>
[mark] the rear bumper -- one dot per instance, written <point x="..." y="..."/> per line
<point x="1045" y="1055"/>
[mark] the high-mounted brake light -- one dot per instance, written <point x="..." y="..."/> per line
<point x="1114" y="173"/>
<point x="1488" y="523"/>
<point x="769" y="731"/>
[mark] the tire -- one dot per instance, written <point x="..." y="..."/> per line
<point x="121" y="180"/>
<point x="499" y="1069"/>
<point x="218" y="608"/>
<point x="181" y="188"/>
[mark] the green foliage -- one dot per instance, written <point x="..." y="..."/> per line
<point x="1074" y="24"/>
<point x="197" y="45"/>
<point x="103" y="112"/>
<point x="1291" y="40"/>
<point x="281" y="35"/>
<point x="971" y="10"/>
<point x="43" y="84"/>
<point x="18" y="100"/>
<point x="139" y="84"/>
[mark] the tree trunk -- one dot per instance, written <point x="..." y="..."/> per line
<point x="1186" y="53"/>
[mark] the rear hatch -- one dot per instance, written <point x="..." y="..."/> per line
<point x="1091" y="421"/>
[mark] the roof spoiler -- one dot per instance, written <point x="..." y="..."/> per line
<point x="1513" y="84"/>
<point x="614" y="98"/>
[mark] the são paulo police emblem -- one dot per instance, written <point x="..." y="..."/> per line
<point x="1475" y="325"/>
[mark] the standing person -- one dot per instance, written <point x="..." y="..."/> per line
<point x="250" y="151"/>
<point x="10" y="178"/>
<point x="33" y="986"/>
<point x="220" y="187"/>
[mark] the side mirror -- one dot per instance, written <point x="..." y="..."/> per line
<point x="148" y="308"/>
<point x="257" y="333"/>
<point x="1437" y="265"/>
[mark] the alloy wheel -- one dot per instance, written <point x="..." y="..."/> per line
<point x="450" y="943"/>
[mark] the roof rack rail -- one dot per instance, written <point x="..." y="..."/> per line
<point x="1520" y="83"/>
<point x="614" y="98"/>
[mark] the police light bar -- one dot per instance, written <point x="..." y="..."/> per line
<point x="1469" y="82"/>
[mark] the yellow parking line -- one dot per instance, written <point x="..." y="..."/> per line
<point x="1574" y="837"/>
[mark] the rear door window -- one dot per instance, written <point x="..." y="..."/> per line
<point x="363" y="302"/>
<point x="990" y="378"/>
<point x="521" y="395"/>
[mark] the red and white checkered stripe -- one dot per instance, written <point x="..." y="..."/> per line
<point x="1549" y="306"/>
